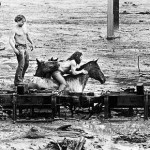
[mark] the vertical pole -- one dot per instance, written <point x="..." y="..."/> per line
<point x="106" y="108"/>
<point x="14" y="107"/>
<point x="146" y="106"/>
<point x="110" y="20"/>
<point x="53" y="104"/>
<point x="116" y="14"/>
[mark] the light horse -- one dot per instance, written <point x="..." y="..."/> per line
<point x="75" y="83"/>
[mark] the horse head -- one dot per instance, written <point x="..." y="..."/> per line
<point x="39" y="71"/>
<point x="94" y="71"/>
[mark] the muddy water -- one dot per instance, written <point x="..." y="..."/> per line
<point x="58" y="28"/>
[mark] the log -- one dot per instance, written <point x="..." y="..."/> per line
<point x="80" y="143"/>
<point x="64" y="127"/>
<point x="70" y="134"/>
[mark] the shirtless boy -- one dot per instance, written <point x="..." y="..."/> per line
<point x="68" y="66"/>
<point x="18" y="41"/>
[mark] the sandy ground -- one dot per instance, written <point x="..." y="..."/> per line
<point x="60" y="27"/>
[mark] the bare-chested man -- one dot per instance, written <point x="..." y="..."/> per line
<point x="68" y="66"/>
<point x="18" y="41"/>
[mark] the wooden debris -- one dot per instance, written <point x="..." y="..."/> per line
<point x="70" y="134"/>
<point x="131" y="138"/>
<point x="33" y="133"/>
<point x="66" y="144"/>
<point x="64" y="127"/>
<point x="80" y="143"/>
<point x="52" y="145"/>
<point x="89" y="136"/>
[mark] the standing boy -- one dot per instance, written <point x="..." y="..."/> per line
<point x="18" y="41"/>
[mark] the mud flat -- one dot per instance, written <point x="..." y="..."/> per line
<point x="58" y="28"/>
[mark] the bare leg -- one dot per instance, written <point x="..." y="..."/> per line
<point x="58" y="77"/>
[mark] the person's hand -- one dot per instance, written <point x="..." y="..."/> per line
<point x="16" y="51"/>
<point x="84" y="71"/>
<point x="31" y="47"/>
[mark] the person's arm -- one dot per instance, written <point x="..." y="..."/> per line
<point x="78" y="66"/>
<point x="29" y="39"/>
<point x="12" y="42"/>
<point x="74" y="71"/>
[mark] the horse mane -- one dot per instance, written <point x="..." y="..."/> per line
<point x="85" y="66"/>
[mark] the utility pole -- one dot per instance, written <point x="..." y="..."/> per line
<point x="116" y="14"/>
<point x="110" y="19"/>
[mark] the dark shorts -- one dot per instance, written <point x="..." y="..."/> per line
<point x="58" y="71"/>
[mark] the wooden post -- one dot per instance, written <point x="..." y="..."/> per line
<point x="106" y="108"/>
<point x="53" y="104"/>
<point x="116" y="14"/>
<point x="14" y="101"/>
<point x="110" y="20"/>
<point x="139" y="63"/>
<point x="146" y="106"/>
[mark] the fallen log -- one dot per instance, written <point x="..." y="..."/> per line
<point x="80" y="143"/>
<point x="64" y="127"/>
<point x="69" y="134"/>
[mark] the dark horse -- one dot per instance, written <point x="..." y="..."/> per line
<point x="76" y="83"/>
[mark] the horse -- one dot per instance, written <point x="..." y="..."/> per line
<point x="75" y="83"/>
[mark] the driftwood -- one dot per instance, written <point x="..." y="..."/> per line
<point x="67" y="144"/>
<point x="80" y="143"/>
<point x="70" y="134"/>
<point x="64" y="127"/>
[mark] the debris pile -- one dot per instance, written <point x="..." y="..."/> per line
<point x="33" y="133"/>
<point x="135" y="138"/>
<point x="67" y="144"/>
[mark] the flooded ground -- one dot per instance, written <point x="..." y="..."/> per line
<point x="60" y="27"/>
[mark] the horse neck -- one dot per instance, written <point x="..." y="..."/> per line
<point x="85" y="67"/>
<point x="84" y="78"/>
<point x="84" y="81"/>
